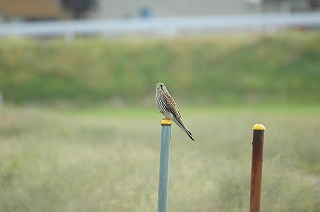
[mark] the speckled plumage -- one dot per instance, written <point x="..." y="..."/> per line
<point x="168" y="107"/>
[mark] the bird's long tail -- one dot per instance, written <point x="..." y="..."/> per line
<point x="183" y="127"/>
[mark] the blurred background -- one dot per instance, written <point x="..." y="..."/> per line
<point x="79" y="128"/>
<point x="91" y="51"/>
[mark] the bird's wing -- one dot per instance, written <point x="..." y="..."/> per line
<point x="171" y="105"/>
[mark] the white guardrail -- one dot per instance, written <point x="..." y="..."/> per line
<point x="162" y="25"/>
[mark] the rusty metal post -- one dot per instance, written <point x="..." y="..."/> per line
<point x="256" y="168"/>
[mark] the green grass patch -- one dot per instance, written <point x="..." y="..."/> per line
<point x="108" y="160"/>
<point x="278" y="68"/>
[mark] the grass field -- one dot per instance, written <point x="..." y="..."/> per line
<point x="106" y="159"/>
<point x="221" y="69"/>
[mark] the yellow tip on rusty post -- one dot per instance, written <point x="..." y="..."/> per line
<point x="165" y="121"/>
<point x="258" y="127"/>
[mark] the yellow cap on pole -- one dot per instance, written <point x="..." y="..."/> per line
<point x="258" y="127"/>
<point x="165" y="121"/>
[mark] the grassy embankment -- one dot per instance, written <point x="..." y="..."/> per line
<point x="280" y="68"/>
<point x="107" y="159"/>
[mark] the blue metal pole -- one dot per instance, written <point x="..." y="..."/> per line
<point x="164" y="166"/>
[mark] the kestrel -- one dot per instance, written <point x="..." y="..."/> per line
<point x="168" y="107"/>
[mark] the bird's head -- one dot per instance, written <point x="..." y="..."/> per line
<point x="160" y="87"/>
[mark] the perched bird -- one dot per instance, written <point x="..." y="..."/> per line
<point x="168" y="107"/>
